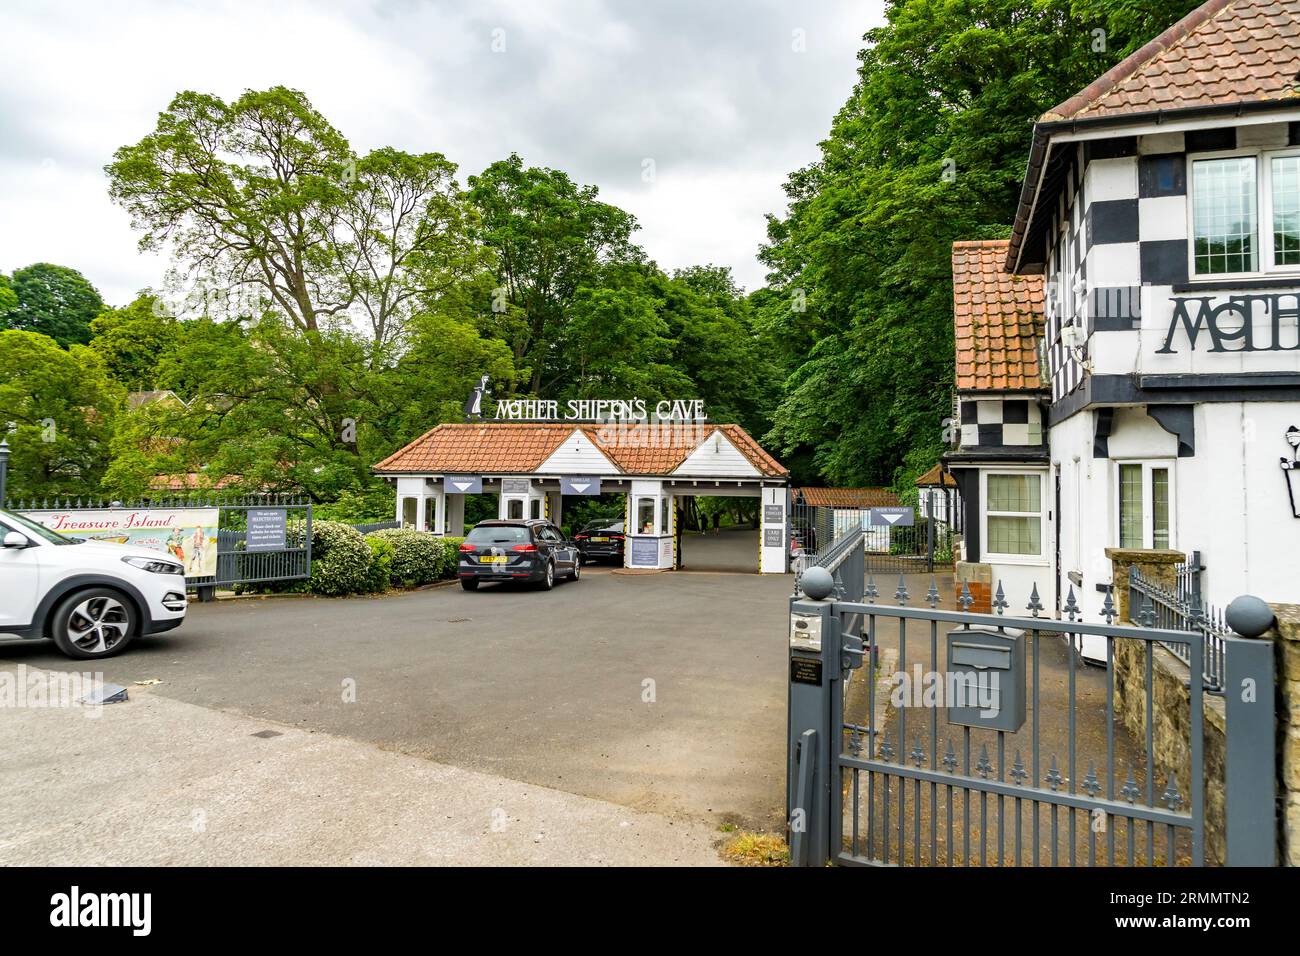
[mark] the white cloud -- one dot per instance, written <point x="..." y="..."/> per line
<point x="713" y="93"/>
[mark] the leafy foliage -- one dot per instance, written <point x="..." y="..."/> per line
<point x="52" y="300"/>
<point x="929" y="148"/>
<point x="416" y="556"/>
<point x="340" y="560"/>
<point x="58" y="408"/>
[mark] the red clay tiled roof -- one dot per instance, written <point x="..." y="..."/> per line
<point x="1223" y="52"/>
<point x="997" y="318"/>
<point x="936" y="476"/>
<point x="847" y="497"/>
<point x="494" y="448"/>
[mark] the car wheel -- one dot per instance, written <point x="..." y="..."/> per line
<point x="94" y="623"/>
<point x="577" y="570"/>
<point x="548" y="576"/>
<point x="469" y="584"/>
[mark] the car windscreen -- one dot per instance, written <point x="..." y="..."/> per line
<point x="498" y="534"/>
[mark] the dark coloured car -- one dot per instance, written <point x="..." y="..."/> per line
<point x="601" y="540"/>
<point x="516" y="550"/>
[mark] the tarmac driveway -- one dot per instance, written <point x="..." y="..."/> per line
<point x="663" y="693"/>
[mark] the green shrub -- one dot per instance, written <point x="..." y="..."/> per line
<point x="340" y="559"/>
<point x="381" y="564"/>
<point x="417" y="556"/>
<point x="451" y="556"/>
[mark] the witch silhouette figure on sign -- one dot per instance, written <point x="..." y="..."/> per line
<point x="474" y="405"/>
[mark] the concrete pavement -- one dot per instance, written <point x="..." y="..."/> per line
<point x="155" y="781"/>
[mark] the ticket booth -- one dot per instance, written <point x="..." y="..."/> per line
<point x="652" y="526"/>
<point x="534" y="466"/>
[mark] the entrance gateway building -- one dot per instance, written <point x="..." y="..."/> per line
<point x="1128" y="363"/>
<point x="645" y="450"/>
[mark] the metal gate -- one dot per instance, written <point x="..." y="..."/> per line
<point x="995" y="745"/>
<point x="926" y="544"/>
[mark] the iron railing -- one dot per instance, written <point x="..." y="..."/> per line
<point x="370" y="526"/>
<point x="1181" y="609"/>
<point x="920" y="547"/>
<point x="235" y="564"/>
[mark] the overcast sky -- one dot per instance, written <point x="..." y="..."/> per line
<point x="725" y="98"/>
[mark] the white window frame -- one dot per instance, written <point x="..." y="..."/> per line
<point x="1148" y="501"/>
<point x="1044" y="532"/>
<point x="1263" y="214"/>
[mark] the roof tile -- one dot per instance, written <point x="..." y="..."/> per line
<point x="997" y="343"/>
<point x="495" y="448"/>
<point x="1224" y="52"/>
<point x="846" y="497"/>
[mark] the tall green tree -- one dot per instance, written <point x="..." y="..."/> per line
<point x="57" y="411"/>
<point x="929" y="148"/>
<point x="550" y="237"/>
<point x="264" y="198"/>
<point x="52" y="300"/>
<point x="133" y="340"/>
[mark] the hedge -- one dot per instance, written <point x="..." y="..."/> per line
<point x="344" y="561"/>
<point x="340" y="559"/>
<point x="417" y="557"/>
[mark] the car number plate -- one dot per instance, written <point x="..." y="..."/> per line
<point x="600" y="539"/>
<point x="492" y="559"/>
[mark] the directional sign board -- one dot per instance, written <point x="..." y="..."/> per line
<point x="892" y="517"/>
<point x="579" y="486"/>
<point x="463" y="485"/>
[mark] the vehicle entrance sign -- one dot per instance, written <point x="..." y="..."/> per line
<point x="580" y="486"/>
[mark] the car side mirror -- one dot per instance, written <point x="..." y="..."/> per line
<point x="16" y="539"/>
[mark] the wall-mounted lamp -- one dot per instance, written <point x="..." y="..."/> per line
<point x="1291" y="466"/>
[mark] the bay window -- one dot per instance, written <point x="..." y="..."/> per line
<point x="1013" y="522"/>
<point x="1245" y="212"/>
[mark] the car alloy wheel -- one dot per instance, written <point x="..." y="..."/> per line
<point x="577" y="569"/>
<point x="98" y="624"/>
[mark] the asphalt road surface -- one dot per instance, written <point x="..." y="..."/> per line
<point x="663" y="693"/>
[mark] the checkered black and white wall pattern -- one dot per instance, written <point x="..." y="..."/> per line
<point x="1066" y="278"/>
<point x="1121" y="231"/>
<point x="1001" y="422"/>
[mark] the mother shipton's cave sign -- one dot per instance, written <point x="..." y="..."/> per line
<point x="1264" y="322"/>
<point x="631" y="410"/>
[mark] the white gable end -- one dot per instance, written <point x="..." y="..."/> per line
<point x="578" y="455"/>
<point x="717" y="457"/>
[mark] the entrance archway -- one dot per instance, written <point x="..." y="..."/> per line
<point x="718" y="533"/>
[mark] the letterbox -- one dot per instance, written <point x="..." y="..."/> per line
<point x="985" y="684"/>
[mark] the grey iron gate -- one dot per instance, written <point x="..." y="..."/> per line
<point x="927" y="544"/>
<point x="1036" y="771"/>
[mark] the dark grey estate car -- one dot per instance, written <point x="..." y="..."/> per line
<point x="517" y="550"/>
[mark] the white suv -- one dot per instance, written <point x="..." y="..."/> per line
<point x="91" y="597"/>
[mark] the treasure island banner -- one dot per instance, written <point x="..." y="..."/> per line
<point x="188" y="535"/>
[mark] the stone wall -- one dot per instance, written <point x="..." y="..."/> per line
<point x="1171" y="710"/>
<point x="1286" y="634"/>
